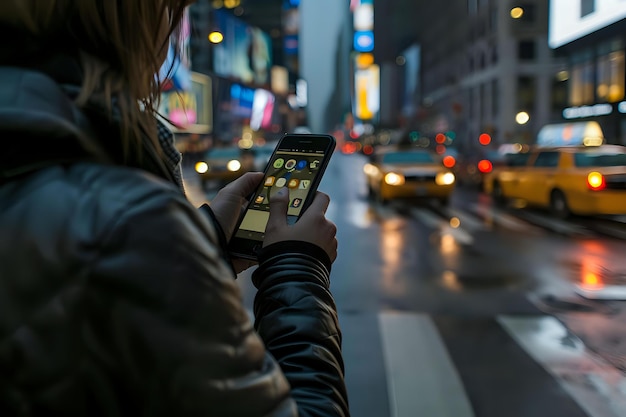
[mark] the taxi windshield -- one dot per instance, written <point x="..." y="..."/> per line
<point x="408" y="158"/>
<point x="600" y="159"/>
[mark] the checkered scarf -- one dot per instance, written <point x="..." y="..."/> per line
<point x="172" y="158"/>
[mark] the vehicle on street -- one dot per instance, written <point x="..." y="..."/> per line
<point x="411" y="173"/>
<point x="580" y="180"/>
<point x="220" y="166"/>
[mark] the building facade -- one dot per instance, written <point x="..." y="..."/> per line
<point x="590" y="36"/>
<point x="486" y="68"/>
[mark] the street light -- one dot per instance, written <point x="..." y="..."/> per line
<point x="517" y="12"/>
<point x="522" y="118"/>
<point x="215" y="37"/>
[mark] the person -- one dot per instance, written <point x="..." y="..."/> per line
<point x="117" y="296"/>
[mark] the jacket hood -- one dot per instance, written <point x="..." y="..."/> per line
<point x="39" y="124"/>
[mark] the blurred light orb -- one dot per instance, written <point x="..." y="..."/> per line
<point x="522" y="118"/>
<point x="202" y="167"/>
<point x="215" y="37"/>
<point x="455" y="222"/>
<point x="400" y="60"/>
<point x="233" y="165"/>
<point x="231" y="4"/>
<point x="484" y="139"/>
<point x="562" y="76"/>
<point x="517" y="12"/>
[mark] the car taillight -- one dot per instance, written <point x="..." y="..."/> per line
<point x="449" y="161"/>
<point x="485" y="166"/>
<point x="596" y="181"/>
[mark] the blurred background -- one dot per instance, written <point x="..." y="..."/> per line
<point x="478" y="186"/>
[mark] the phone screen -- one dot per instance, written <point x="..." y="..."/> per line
<point x="295" y="168"/>
<point x="297" y="164"/>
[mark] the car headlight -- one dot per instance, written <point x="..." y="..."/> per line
<point x="233" y="165"/>
<point x="394" y="179"/>
<point x="445" y="178"/>
<point x="202" y="167"/>
<point x="370" y="170"/>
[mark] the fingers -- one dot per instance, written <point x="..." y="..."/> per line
<point x="320" y="202"/>
<point x="246" y="184"/>
<point x="278" y="209"/>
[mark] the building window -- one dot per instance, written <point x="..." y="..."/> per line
<point x="529" y="15"/>
<point x="587" y="7"/>
<point x="610" y="77"/>
<point x="526" y="93"/>
<point x="495" y="102"/>
<point x="482" y="102"/>
<point x="559" y="94"/>
<point x="581" y="84"/>
<point x="526" y="50"/>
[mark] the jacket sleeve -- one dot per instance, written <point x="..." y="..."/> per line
<point x="166" y="323"/>
<point x="297" y="319"/>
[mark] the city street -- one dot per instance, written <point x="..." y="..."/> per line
<point x="473" y="310"/>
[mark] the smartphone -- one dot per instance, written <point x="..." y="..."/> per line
<point x="298" y="163"/>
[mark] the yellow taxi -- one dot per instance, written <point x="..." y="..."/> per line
<point x="220" y="166"/>
<point x="580" y="180"/>
<point x="412" y="173"/>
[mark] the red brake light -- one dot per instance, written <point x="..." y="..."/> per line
<point x="449" y="161"/>
<point x="596" y="181"/>
<point x="485" y="166"/>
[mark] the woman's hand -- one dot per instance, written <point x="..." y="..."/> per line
<point x="228" y="206"/>
<point x="312" y="226"/>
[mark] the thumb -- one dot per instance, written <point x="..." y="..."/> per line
<point x="278" y="208"/>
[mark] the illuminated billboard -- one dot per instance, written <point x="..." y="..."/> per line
<point x="245" y="54"/>
<point x="367" y="92"/>
<point x="573" y="19"/>
<point x="190" y="110"/>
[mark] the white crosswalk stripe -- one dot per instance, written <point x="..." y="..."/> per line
<point x="423" y="380"/>
<point x="433" y="221"/>
<point x="493" y="215"/>
<point x="574" y="367"/>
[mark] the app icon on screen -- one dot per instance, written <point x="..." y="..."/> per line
<point x="305" y="184"/>
<point x="301" y="165"/>
<point x="296" y="202"/>
<point x="314" y="164"/>
<point x="260" y="198"/>
<point x="281" y="182"/>
<point x="269" y="181"/>
<point x="293" y="183"/>
<point x="279" y="163"/>
<point x="290" y="164"/>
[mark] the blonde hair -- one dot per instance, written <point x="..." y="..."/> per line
<point x="120" y="44"/>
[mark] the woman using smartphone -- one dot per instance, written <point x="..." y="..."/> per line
<point x="117" y="297"/>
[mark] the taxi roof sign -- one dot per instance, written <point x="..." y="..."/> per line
<point x="571" y="134"/>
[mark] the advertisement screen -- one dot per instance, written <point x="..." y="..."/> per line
<point x="573" y="19"/>
<point x="245" y="53"/>
<point x="190" y="110"/>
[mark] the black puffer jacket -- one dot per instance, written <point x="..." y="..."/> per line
<point x="115" y="297"/>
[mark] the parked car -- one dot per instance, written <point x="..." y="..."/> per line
<point x="582" y="180"/>
<point x="412" y="173"/>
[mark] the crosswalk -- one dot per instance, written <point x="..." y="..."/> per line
<point x="403" y="364"/>
<point x="477" y="217"/>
